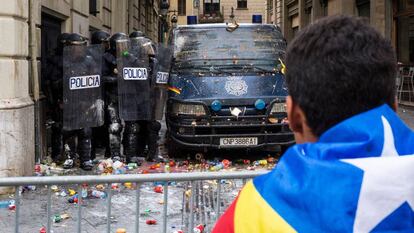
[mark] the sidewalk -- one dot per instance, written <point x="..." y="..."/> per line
<point x="407" y="115"/>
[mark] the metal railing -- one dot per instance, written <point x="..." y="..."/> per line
<point x="138" y="179"/>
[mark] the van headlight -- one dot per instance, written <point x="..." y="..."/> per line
<point x="278" y="108"/>
<point x="188" y="109"/>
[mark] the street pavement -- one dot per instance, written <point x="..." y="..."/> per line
<point x="407" y="115"/>
<point x="33" y="205"/>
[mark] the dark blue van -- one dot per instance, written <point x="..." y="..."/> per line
<point x="227" y="90"/>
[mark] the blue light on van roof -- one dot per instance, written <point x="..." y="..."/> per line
<point x="260" y="104"/>
<point x="216" y="105"/>
<point x="257" y="19"/>
<point x="191" y="19"/>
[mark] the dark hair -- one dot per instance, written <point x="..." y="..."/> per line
<point x="339" y="67"/>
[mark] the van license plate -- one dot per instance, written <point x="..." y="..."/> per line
<point x="251" y="141"/>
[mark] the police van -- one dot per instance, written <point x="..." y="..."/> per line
<point x="227" y="89"/>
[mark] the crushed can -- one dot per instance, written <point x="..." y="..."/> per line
<point x="158" y="189"/>
<point x="151" y="222"/>
<point x="199" y="228"/>
<point x="42" y="230"/>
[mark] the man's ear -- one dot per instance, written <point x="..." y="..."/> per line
<point x="295" y="116"/>
<point x="297" y="122"/>
<point x="395" y="104"/>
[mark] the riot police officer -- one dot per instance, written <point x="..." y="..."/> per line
<point x="109" y="72"/>
<point x="100" y="135"/>
<point x="148" y="129"/>
<point x="53" y="90"/>
<point x="82" y="103"/>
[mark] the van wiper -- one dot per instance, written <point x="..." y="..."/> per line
<point x="212" y="69"/>
<point x="249" y="66"/>
<point x="262" y="69"/>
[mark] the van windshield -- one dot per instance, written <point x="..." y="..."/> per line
<point x="261" y="46"/>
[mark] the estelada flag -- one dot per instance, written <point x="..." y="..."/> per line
<point x="358" y="177"/>
<point x="174" y="89"/>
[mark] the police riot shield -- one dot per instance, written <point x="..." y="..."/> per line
<point x="162" y="65"/>
<point x="133" y="81"/>
<point x="83" y="105"/>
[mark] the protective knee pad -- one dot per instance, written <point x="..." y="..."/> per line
<point x="132" y="127"/>
<point x="115" y="128"/>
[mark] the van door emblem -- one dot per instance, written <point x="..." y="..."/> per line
<point x="236" y="86"/>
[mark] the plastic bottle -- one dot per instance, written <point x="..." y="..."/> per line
<point x="12" y="205"/>
<point x="4" y="204"/>
<point x="115" y="186"/>
<point x="73" y="198"/>
<point x="98" y="194"/>
<point x="38" y="170"/>
<point x="226" y="163"/>
<point x="132" y="166"/>
<point x="84" y="191"/>
<point x="263" y="162"/>
<point x="119" y="171"/>
<point x="128" y="185"/>
<point x="217" y="167"/>
<point x="167" y="168"/>
<point x="57" y="218"/>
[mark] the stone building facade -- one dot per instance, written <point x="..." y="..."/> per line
<point x="29" y="31"/>
<point x="393" y="18"/>
<point x="219" y="11"/>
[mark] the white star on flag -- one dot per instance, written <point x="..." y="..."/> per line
<point x="386" y="185"/>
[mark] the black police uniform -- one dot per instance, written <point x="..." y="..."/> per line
<point x="100" y="135"/>
<point x="143" y="133"/>
<point x="54" y="91"/>
<point x="83" y="136"/>
<point x="112" y="119"/>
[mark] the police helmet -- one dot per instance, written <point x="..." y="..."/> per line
<point x="136" y="34"/>
<point x="61" y="39"/>
<point x="114" y="38"/>
<point x="98" y="37"/>
<point x="75" y="39"/>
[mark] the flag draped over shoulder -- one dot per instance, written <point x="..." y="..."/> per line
<point x="359" y="177"/>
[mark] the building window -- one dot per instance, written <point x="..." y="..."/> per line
<point x="241" y="4"/>
<point x="212" y="7"/>
<point x="363" y="7"/>
<point x="404" y="19"/>
<point x="93" y="7"/>
<point x="181" y="7"/>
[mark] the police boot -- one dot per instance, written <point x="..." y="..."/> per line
<point x="116" y="156"/>
<point x="154" y="154"/>
<point x="70" y="157"/>
<point x="87" y="165"/>
<point x="115" y="129"/>
<point x="136" y="159"/>
<point x="84" y="148"/>
<point x="130" y="140"/>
